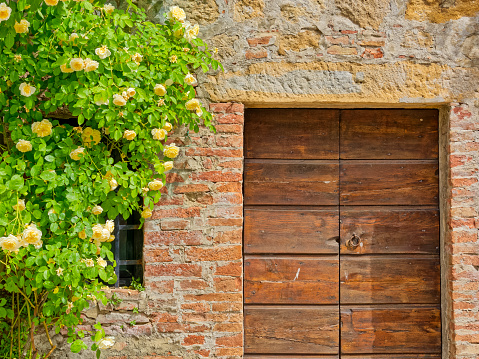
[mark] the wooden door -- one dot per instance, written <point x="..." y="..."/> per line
<point x="341" y="234"/>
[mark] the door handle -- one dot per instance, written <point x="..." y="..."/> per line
<point x="353" y="242"/>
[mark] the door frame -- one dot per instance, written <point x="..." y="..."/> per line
<point x="445" y="195"/>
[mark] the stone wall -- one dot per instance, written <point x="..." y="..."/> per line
<point x="300" y="53"/>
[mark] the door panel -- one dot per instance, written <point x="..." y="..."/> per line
<point x="289" y="280"/>
<point x="389" y="183"/>
<point x="287" y="229"/>
<point x="412" y="329"/>
<point x="292" y="134"/>
<point x="283" y="182"/>
<point x="393" y="356"/>
<point x="390" y="230"/>
<point x="291" y="330"/>
<point x="386" y="279"/>
<point x="389" y="134"/>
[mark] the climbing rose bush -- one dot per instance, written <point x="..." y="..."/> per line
<point x="124" y="83"/>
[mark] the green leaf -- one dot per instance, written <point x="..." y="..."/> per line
<point x="48" y="175"/>
<point x="10" y="40"/>
<point x="77" y="346"/>
<point x="16" y="183"/>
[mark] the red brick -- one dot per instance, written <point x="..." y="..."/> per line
<point x="173" y="269"/>
<point x="173" y="177"/>
<point x="228" y="198"/>
<point x="264" y="40"/>
<point x="229" y="187"/>
<point x="223" y="253"/>
<point x="174" y="237"/>
<point x="229" y="211"/>
<point x="167" y="200"/>
<point x="229" y="107"/>
<point x="215" y="297"/>
<point x="233" y="341"/>
<point x="349" y="32"/>
<point x="196" y="307"/>
<point x="231" y="164"/>
<point x="176" y="213"/>
<point x="256" y="54"/>
<point x="192" y="188"/>
<point x="372" y="54"/>
<point x="230" y="269"/>
<point x="164" y="318"/>
<point x="227" y="307"/>
<point x="229" y="118"/>
<point x="228" y="327"/>
<point x="464" y="237"/>
<point x="229" y="128"/>
<point x="463" y="212"/>
<point x="153" y="255"/>
<point x="226" y="284"/>
<point x="373" y="43"/>
<point x="229" y="141"/>
<point x="338" y="50"/>
<point x="218" y="152"/>
<point x="163" y="286"/>
<point x="205" y="353"/>
<point x="458" y="160"/>
<point x="462" y="182"/>
<point x="193" y="284"/>
<point x="194" y="340"/>
<point x="168" y="224"/>
<point x="229" y="237"/>
<point x="217" y="176"/>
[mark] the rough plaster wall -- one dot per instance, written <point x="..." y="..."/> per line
<point x="303" y="53"/>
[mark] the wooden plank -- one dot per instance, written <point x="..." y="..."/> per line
<point x="292" y="133"/>
<point x="291" y="330"/>
<point x="389" y="134"/>
<point x="387" y="279"/>
<point x="389" y="182"/>
<point x="390" y="230"/>
<point x="393" y="356"/>
<point x="411" y="329"/>
<point x="291" y="280"/>
<point x="292" y="356"/>
<point x="290" y="230"/>
<point x="290" y="182"/>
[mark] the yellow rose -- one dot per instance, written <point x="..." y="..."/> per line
<point x="131" y="92"/>
<point x="20" y="206"/>
<point x="155" y="185"/>
<point x="77" y="154"/>
<point x="167" y="127"/>
<point x="65" y="69"/>
<point x="176" y="13"/>
<point x="51" y="2"/>
<point x="193" y="104"/>
<point x="129" y="135"/>
<point x="101" y="262"/>
<point x="137" y="58"/>
<point x="73" y="36"/>
<point x="168" y="165"/>
<point x="5" y="12"/>
<point x="191" y="32"/>
<point x="109" y="8"/>
<point x="89" y="262"/>
<point x="199" y="112"/>
<point x="97" y="210"/>
<point x="110" y="225"/>
<point x="158" y="133"/>
<point x="77" y="64"/>
<point x="23" y="146"/>
<point x="173" y="59"/>
<point x="90" y="135"/>
<point x="26" y="89"/>
<point x="21" y="27"/>
<point x="146" y="213"/>
<point x="100" y="233"/>
<point x="32" y="234"/>
<point x="42" y="129"/>
<point x="119" y="100"/>
<point x="190" y="80"/>
<point x="102" y="52"/>
<point x="10" y="243"/>
<point x="82" y="234"/>
<point x="171" y="151"/>
<point x="160" y="90"/>
<point x="17" y="58"/>
<point x="90" y="65"/>
<point x="113" y="184"/>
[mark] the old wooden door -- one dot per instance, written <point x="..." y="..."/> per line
<point x="341" y="234"/>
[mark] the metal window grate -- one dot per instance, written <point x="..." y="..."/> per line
<point x="128" y="250"/>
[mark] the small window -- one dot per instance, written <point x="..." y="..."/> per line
<point x="128" y="250"/>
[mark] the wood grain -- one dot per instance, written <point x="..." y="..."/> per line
<point x="389" y="182"/>
<point x="411" y="329"/>
<point x="293" y="357"/>
<point x="390" y="230"/>
<point x="392" y="356"/>
<point x="291" y="330"/>
<point x="290" y="280"/>
<point x="386" y="279"/>
<point x="292" y="133"/>
<point x="288" y="182"/>
<point x="389" y="134"/>
<point x="291" y="230"/>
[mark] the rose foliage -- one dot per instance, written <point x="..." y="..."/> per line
<point x="125" y="83"/>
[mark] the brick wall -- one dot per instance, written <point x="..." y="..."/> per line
<point x="192" y="306"/>
<point x="462" y="245"/>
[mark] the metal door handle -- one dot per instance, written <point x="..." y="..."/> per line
<point x="353" y="242"/>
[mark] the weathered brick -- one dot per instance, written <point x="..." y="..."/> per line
<point x="223" y="253"/>
<point x="231" y="341"/>
<point x="229" y="118"/>
<point x="256" y="54"/>
<point x="229" y="107"/>
<point x="169" y="224"/>
<point x="154" y="255"/>
<point x="193" y="340"/>
<point x="231" y="269"/>
<point x="339" y="50"/>
<point x="176" y="213"/>
<point x="217" y="176"/>
<point x="173" y="237"/>
<point x="337" y="40"/>
<point x="372" y="53"/>
<point x="263" y="40"/>
<point x="199" y="187"/>
<point x="193" y="284"/>
<point x="173" y="269"/>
